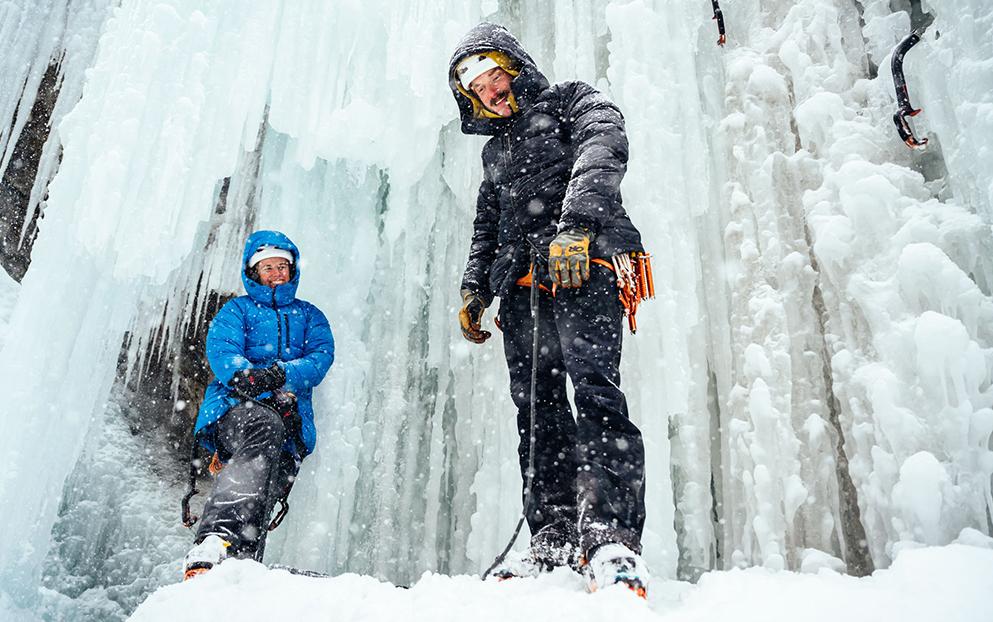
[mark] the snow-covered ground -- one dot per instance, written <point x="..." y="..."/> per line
<point x="953" y="583"/>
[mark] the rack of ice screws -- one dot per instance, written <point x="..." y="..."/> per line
<point x="634" y="282"/>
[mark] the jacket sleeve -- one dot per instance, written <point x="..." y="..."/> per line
<point x="308" y="370"/>
<point x="226" y="342"/>
<point x="485" y="230"/>
<point x="600" y="148"/>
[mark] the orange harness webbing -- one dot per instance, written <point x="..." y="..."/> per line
<point x="525" y="281"/>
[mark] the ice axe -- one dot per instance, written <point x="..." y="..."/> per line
<point x="719" y="16"/>
<point x="905" y="108"/>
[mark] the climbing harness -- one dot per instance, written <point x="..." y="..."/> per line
<point x="719" y="16"/>
<point x="525" y="281"/>
<point x="634" y="282"/>
<point x="902" y="96"/>
<point x="534" y="285"/>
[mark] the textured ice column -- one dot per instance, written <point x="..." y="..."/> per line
<point x="38" y="34"/>
<point x="765" y="479"/>
<point x="951" y="78"/>
<point x="31" y="32"/>
<point x="355" y="173"/>
<point x="169" y="102"/>
<point x="910" y="352"/>
<point x="665" y="190"/>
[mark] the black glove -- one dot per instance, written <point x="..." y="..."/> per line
<point x="283" y="402"/>
<point x="254" y="381"/>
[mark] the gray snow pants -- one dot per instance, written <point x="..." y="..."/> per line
<point x="257" y="473"/>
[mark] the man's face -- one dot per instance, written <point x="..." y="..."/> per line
<point x="493" y="90"/>
<point x="273" y="271"/>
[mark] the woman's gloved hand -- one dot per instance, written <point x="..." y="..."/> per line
<point x="255" y="381"/>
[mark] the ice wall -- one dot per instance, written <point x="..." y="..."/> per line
<point x="36" y="34"/>
<point x="817" y="281"/>
<point x="8" y="297"/>
<point x="160" y="122"/>
<point x="952" y="78"/>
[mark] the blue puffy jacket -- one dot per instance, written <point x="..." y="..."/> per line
<point x="268" y="325"/>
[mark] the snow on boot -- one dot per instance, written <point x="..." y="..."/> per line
<point x="616" y="563"/>
<point x="550" y="554"/>
<point x="517" y="564"/>
<point x="204" y="556"/>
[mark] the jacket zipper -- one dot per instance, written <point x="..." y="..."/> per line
<point x="286" y="320"/>
<point x="510" y="153"/>
<point x="508" y="148"/>
<point x="279" y="328"/>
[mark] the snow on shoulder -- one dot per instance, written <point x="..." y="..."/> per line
<point x="953" y="583"/>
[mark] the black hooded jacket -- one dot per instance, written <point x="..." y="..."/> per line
<point x="555" y="164"/>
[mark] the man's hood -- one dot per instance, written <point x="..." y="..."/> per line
<point x="526" y="86"/>
<point x="284" y="293"/>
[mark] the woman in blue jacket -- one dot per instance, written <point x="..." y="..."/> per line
<point x="268" y="350"/>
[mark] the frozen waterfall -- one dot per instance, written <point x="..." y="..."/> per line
<point x="814" y="380"/>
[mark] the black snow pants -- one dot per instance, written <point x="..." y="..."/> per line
<point x="258" y="471"/>
<point x="588" y="486"/>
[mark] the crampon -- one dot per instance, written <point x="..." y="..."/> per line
<point x="613" y="564"/>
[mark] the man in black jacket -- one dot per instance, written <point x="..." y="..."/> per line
<point x="549" y="203"/>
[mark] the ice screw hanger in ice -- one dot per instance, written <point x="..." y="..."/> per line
<point x="902" y="96"/>
<point x="719" y="16"/>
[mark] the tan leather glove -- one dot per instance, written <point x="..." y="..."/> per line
<point x="569" y="258"/>
<point x="470" y="317"/>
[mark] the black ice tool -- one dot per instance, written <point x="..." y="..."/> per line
<point x="902" y="96"/>
<point x="719" y="16"/>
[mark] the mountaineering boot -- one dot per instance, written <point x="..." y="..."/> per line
<point x="550" y="550"/>
<point x="204" y="556"/>
<point x="616" y="563"/>
<point x="541" y="557"/>
<point x="517" y="565"/>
